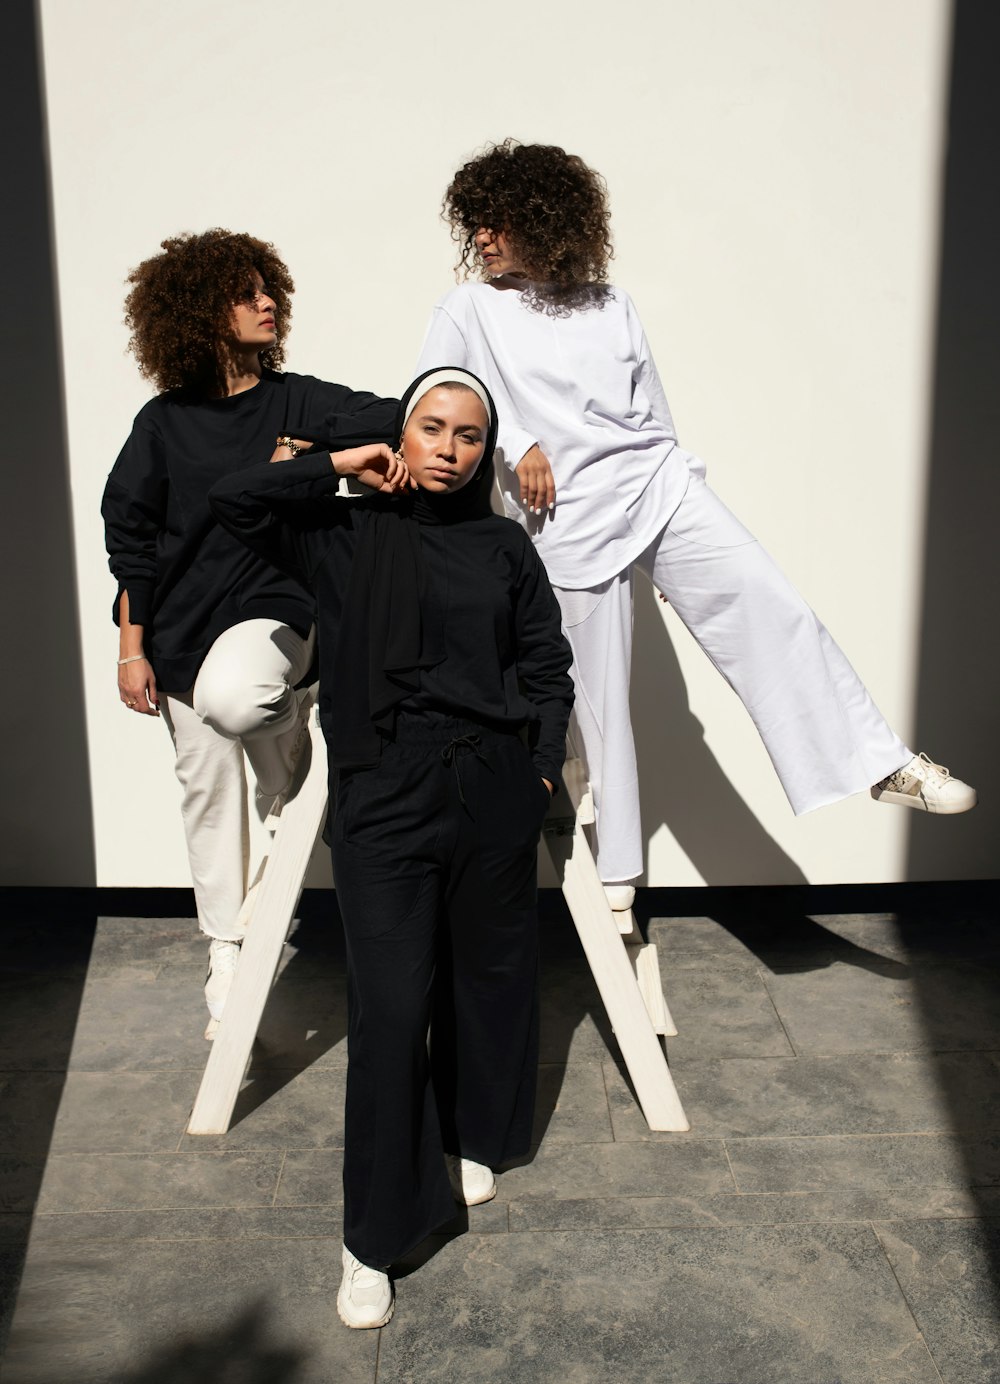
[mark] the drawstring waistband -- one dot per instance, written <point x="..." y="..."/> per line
<point x="455" y="750"/>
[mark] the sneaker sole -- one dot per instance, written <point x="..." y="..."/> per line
<point x="915" y="801"/>
<point x="481" y="1201"/>
<point x="365" y="1326"/>
<point x="476" y="1201"/>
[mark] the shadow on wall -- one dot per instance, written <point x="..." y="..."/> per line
<point x="45" y="824"/>
<point x="959" y="665"/>
<point x="959" y="661"/>
<point x="46" y="821"/>
<point x="711" y="823"/>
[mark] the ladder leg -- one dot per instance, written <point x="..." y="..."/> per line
<point x="271" y="903"/>
<point x="609" y="962"/>
<point x="646" y="968"/>
<point x="646" y="965"/>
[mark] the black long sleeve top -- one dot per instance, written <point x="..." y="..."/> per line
<point x="506" y="661"/>
<point x="188" y="579"/>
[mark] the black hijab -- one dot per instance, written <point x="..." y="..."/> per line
<point x="388" y="632"/>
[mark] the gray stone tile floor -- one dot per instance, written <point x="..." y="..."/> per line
<point x="833" y="1217"/>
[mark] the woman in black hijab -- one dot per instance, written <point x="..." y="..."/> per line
<point x="444" y="697"/>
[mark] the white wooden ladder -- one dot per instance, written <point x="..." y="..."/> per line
<point x="624" y="968"/>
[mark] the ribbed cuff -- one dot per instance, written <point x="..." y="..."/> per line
<point x="140" y="601"/>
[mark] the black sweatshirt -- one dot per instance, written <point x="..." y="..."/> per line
<point x="187" y="579"/>
<point x="506" y="661"/>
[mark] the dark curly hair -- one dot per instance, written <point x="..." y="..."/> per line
<point x="552" y="207"/>
<point x="179" y="308"/>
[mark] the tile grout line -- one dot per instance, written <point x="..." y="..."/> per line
<point x="767" y="991"/>
<point x="607" y="1103"/>
<point x="732" y="1171"/>
<point x="281" y="1173"/>
<point x="902" y="1292"/>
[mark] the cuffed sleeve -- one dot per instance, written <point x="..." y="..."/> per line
<point x="134" y="510"/>
<point x="514" y="442"/>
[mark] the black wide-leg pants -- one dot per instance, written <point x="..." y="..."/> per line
<point x="434" y="859"/>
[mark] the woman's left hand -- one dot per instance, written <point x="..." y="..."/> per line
<point x="550" y="786"/>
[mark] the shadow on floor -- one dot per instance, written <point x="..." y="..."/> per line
<point x="48" y="935"/>
<point x="949" y="934"/>
<point x="240" y="1352"/>
<point x="306" y="1012"/>
<point x="774" y="923"/>
<point x="965" y="919"/>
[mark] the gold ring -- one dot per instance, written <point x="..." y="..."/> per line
<point x="130" y="703"/>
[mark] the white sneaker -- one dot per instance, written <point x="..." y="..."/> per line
<point x="621" y="897"/>
<point x="365" y="1298"/>
<point x="299" y="756"/>
<point x="223" y="958"/>
<point x="471" y="1183"/>
<point x="926" y="786"/>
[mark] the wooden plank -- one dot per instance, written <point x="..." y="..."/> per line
<point x="609" y="961"/>
<point x="272" y="906"/>
<point x="646" y="965"/>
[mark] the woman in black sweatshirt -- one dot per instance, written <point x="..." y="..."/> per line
<point x="211" y="634"/>
<point x="444" y="698"/>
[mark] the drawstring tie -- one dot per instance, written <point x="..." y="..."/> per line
<point x="455" y="749"/>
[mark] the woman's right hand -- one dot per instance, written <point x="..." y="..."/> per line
<point x="538" y="485"/>
<point x="374" y="465"/>
<point x="137" y="687"/>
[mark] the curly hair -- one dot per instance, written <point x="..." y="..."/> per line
<point x="179" y="308"/>
<point x="551" y="206"/>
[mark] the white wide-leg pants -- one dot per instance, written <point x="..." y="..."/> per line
<point x="242" y="699"/>
<point x="824" y="734"/>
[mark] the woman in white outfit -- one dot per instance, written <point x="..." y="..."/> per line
<point x="593" y="468"/>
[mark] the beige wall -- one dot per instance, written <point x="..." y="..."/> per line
<point x="774" y="170"/>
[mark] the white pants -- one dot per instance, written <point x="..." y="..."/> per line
<point x="242" y="699"/>
<point x="825" y="735"/>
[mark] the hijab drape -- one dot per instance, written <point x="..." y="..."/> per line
<point x="389" y="631"/>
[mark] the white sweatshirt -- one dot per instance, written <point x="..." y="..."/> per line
<point x="585" y="389"/>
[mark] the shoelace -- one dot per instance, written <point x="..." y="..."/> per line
<point x="929" y="764"/>
<point x="222" y="961"/>
<point x="455" y="749"/>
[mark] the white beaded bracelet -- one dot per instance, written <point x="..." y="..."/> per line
<point x="133" y="658"/>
